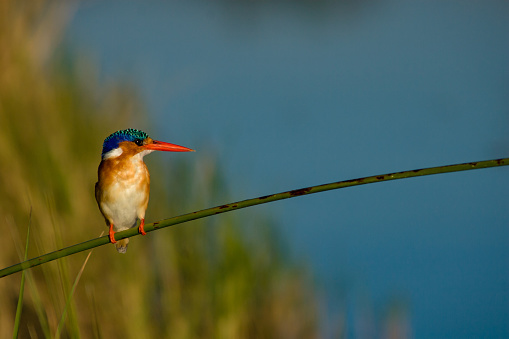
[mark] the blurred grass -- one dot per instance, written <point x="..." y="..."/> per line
<point x="208" y="279"/>
<point x="19" y="306"/>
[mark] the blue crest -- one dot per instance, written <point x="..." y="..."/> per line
<point x="114" y="139"/>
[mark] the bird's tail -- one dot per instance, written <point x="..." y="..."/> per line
<point x="121" y="245"/>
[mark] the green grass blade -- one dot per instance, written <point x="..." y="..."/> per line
<point x="248" y="203"/>
<point x="39" y="306"/>
<point x="19" y="307"/>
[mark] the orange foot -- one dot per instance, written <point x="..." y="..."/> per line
<point x="140" y="228"/>
<point x="112" y="234"/>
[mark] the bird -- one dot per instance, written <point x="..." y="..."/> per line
<point x="123" y="185"/>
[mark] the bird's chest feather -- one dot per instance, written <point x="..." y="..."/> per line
<point x="124" y="187"/>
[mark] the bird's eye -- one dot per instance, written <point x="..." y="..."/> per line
<point x="138" y="142"/>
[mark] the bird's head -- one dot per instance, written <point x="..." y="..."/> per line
<point x="134" y="141"/>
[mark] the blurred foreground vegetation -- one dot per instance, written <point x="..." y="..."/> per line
<point x="206" y="279"/>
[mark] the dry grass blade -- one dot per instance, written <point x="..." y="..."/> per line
<point x="69" y="298"/>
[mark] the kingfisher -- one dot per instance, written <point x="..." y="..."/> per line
<point x="123" y="185"/>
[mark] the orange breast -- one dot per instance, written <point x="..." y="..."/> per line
<point x="122" y="191"/>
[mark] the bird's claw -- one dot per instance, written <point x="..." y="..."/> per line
<point x="112" y="234"/>
<point x="140" y="228"/>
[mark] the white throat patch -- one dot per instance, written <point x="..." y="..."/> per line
<point x="145" y="152"/>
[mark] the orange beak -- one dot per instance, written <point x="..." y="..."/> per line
<point x="167" y="147"/>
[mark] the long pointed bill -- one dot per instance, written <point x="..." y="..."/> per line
<point x="167" y="147"/>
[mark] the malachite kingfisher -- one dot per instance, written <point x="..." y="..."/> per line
<point x="123" y="185"/>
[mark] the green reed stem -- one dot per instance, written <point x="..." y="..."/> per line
<point x="248" y="203"/>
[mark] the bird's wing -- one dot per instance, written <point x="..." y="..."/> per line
<point x="97" y="195"/>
